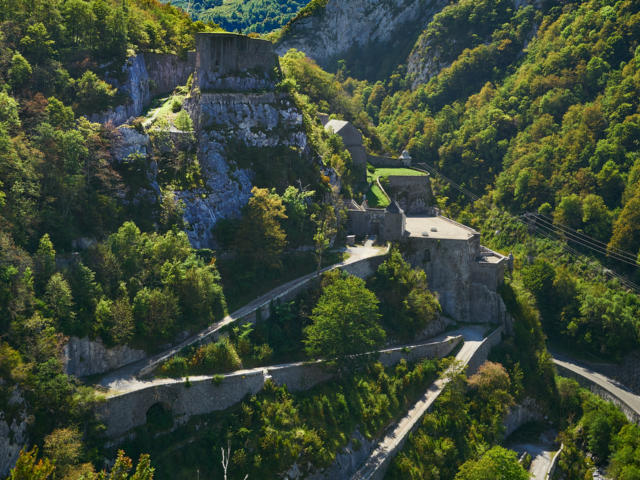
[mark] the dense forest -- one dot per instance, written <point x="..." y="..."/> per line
<point x="245" y="16"/>
<point x="528" y="116"/>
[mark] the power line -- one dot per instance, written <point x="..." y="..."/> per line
<point x="584" y="242"/>
<point x="627" y="283"/>
<point x="581" y="234"/>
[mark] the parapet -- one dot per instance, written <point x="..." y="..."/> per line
<point x="226" y="61"/>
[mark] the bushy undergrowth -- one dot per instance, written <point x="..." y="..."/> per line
<point x="271" y="431"/>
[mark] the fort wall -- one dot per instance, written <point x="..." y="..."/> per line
<point x="413" y="193"/>
<point x="200" y="395"/>
<point x="631" y="414"/>
<point x="227" y="61"/>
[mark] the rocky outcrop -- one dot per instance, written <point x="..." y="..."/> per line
<point x="234" y="105"/>
<point x="13" y="430"/>
<point x="346" y="24"/>
<point x="84" y="357"/>
<point x="525" y="412"/>
<point x="346" y="462"/>
<point x="145" y="76"/>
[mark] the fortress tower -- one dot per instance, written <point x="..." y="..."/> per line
<point x="226" y="61"/>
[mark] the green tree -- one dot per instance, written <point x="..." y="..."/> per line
<point x="345" y="320"/>
<point x="260" y="238"/>
<point x="326" y="228"/>
<point x="59" y="300"/>
<point x="296" y="204"/>
<point x="64" y="448"/>
<point x="44" y="262"/>
<point x="156" y="312"/>
<point x="569" y="212"/>
<point x="59" y="115"/>
<point x="19" y="72"/>
<point x="497" y="464"/>
<point x="407" y="303"/>
<point x="94" y="94"/>
<point x="29" y="468"/>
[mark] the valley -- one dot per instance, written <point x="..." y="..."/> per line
<point x="359" y="239"/>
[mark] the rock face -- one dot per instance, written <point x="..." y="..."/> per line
<point x="13" y="431"/>
<point x="146" y="76"/>
<point x="84" y="357"/>
<point x="346" y="462"/>
<point x="234" y="105"/>
<point x="346" y="24"/>
<point x="525" y="412"/>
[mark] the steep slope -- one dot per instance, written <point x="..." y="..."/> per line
<point x="460" y="25"/>
<point x="358" y="31"/>
<point x="247" y="16"/>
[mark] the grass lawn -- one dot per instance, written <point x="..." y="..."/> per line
<point x="375" y="197"/>
<point x="388" y="172"/>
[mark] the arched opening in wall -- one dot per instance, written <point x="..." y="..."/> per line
<point x="159" y="417"/>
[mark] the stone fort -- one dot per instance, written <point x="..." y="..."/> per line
<point x="465" y="274"/>
<point x="226" y="61"/>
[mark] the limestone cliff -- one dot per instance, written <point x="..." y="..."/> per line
<point x="13" y="430"/>
<point x="244" y="128"/>
<point x="245" y="120"/>
<point x="84" y="357"/>
<point x="143" y="77"/>
<point x="345" y="29"/>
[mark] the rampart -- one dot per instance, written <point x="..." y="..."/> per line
<point x="227" y="61"/>
<point x="464" y="274"/>
<point x="386" y="162"/>
<point x="413" y="193"/>
<point x="379" y="461"/>
<point x="123" y="412"/>
<point x="261" y="308"/>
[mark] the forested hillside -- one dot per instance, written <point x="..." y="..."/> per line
<point x="246" y="16"/>
<point x="527" y="114"/>
<point x="539" y="115"/>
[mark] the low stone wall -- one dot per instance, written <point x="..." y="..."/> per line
<point x="201" y="395"/>
<point x="364" y="269"/>
<point x="554" y="464"/>
<point x="602" y="392"/>
<point x="379" y="462"/>
<point x="482" y="353"/>
<point x="385" y="162"/>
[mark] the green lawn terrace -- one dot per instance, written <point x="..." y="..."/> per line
<point x="377" y="197"/>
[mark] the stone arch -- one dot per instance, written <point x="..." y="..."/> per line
<point x="159" y="417"/>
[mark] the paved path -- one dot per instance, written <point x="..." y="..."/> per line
<point x="542" y="451"/>
<point x="375" y="466"/>
<point x="614" y="388"/>
<point x="125" y="379"/>
<point x="452" y="336"/>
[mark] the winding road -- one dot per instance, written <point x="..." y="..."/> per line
<point x="622" y="396"/>
<point x="379" y="460"/>
<point x="126" y="378"/>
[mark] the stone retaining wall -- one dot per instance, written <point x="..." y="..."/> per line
<point x="206" y="394"/>
<point x="602" y="392"/>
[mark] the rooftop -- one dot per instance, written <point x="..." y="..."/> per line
<point x="336" y="125"/>
<point x="438" y="228"/>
